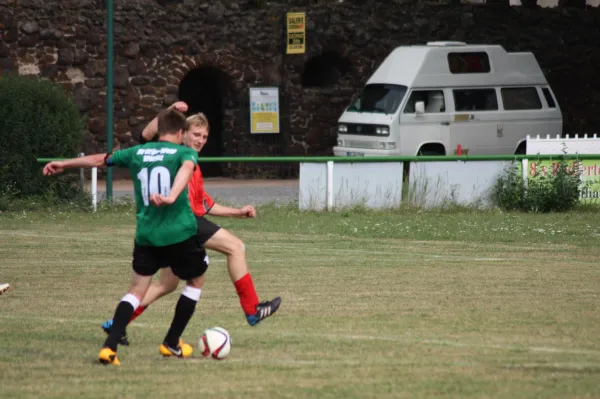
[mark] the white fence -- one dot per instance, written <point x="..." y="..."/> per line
<point x="584" y="144"/>
<point x="430" y="183"/>
<point x="378" y="185"/>
<point x="337" y="185"/>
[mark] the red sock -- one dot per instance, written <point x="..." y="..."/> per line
<point x="247" y="293"/>
<point x="140" y="309"/>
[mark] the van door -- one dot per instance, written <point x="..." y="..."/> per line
<point x="474" y="122"/>
<point x="432" y="126"/>
<point x="524" y="114"/>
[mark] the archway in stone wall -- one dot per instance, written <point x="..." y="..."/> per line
<point x="203" y="89"/>
<point x="325" y="70"/>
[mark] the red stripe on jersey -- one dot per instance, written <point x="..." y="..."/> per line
<point x="200" y="201"/>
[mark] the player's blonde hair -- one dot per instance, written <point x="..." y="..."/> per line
<point x="198" y="120"/>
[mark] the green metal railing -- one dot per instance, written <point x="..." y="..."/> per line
<point x="332" y="160"/>
<point x="424" y="158"/>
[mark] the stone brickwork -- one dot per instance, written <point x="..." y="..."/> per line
<point x="158" y="43"/>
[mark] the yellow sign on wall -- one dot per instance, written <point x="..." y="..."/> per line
<point x="296" y="32"/>
<point x="264" y="110"/>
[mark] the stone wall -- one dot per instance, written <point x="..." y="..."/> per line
<point x="158" y="43"/>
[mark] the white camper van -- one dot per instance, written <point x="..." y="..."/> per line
<point x="428" y="100"/>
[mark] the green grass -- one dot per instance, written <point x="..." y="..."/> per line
<point x="403" y="304"/>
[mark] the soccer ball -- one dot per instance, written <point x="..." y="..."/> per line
<point x="215" y="342"/>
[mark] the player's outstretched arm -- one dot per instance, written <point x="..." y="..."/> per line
<point x="152" y="128"/>
<point x="246" y="211"/>
<point x="89" y="161"/>
<point x="184" y="174"/>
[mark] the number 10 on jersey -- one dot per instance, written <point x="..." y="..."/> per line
<point x="157" y="182"/>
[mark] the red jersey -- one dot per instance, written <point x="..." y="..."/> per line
<point x="200" y="201"/>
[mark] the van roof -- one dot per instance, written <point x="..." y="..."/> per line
<point x="428" y="66"/>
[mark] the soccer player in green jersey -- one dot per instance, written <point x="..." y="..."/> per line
<point x="165" y="227"/>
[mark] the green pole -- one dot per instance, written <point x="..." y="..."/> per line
<point x="423" y="158"/>
<point x="109" y="92"/>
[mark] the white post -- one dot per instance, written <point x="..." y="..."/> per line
<point x="524" y="166"/>
<point x="81" y="176"/>
<point x="329" y="185"/>
<point x="524" y="173"/>
<point x="94" y="188"/>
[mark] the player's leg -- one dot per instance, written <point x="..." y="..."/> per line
<point x="145" y="263"/>
<point x="125" y="308"/>
<point x="166" y="284"/>
<point x="190" y="266"/>
<point x="173" y="345"/>
<point x="218" y="239"/>
<point x="231" y="246"/>
<point x="4" y="287"/>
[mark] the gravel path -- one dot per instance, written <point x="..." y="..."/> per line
<point x="227" y="191"/>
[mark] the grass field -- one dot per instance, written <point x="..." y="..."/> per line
<point x="375" y="305"/>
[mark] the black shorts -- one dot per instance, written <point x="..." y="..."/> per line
<point x="187" y="259"/>
<point x="206" y="229"/>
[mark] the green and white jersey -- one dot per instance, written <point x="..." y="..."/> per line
<point x="153" y="167"/>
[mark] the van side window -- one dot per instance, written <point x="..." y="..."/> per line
<point x="475" y="100"/>
<point x="433" y="99"/>
<point x="549" y="99"/>
<point x="519" y="98"/>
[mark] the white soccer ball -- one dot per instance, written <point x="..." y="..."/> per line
<point x="215" y="342"/>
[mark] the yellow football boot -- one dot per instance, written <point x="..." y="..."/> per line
<point x="183" y="350"/>
<point x="108" y="356"/>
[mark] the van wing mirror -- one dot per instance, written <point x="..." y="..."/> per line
<point x="420" y="107"/>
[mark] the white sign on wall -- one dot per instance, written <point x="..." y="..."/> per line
<point x="264" y="110"/>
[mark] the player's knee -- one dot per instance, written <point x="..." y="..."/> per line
<point x="233" y="246"/>
<point x="168" y="286"/>
<point x="196" y="282"/>
<point x="237" y="247"/>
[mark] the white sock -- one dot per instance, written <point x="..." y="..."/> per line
<point x="132" y="299"/>
<point x="192" y="293"/>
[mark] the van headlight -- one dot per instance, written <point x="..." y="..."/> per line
<point x="382" y="130"/>
<point x="340" y="143"/>
<point x="387" y="145"/>
<point x="342" y="128"/>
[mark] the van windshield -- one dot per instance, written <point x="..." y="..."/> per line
<point x="379" y="98"/>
